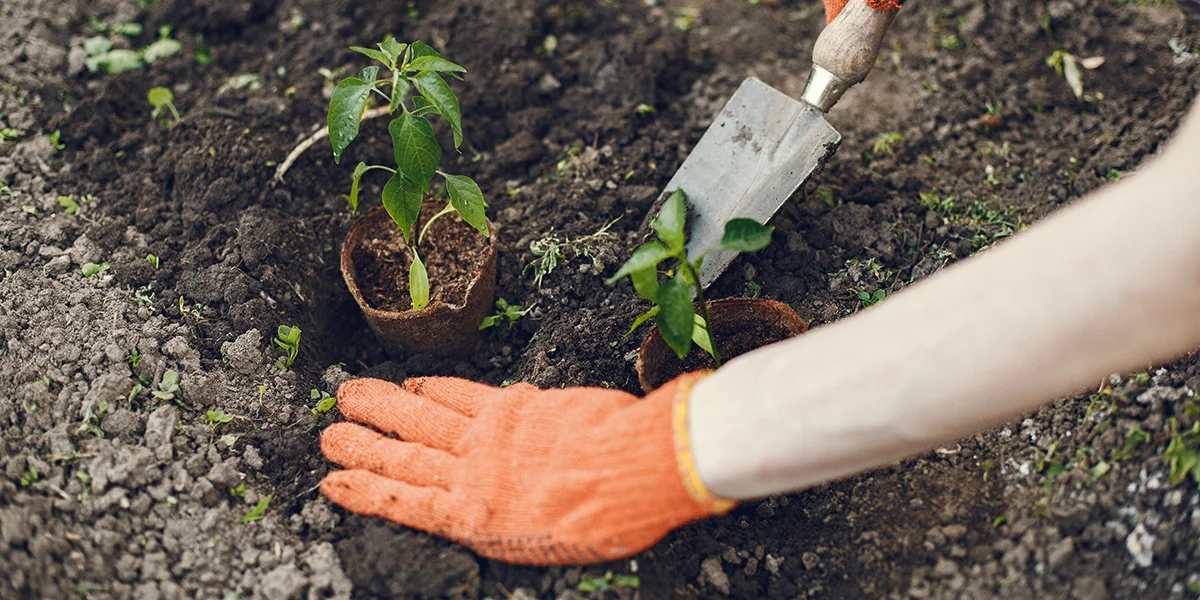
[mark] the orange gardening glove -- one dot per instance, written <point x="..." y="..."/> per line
<point x="554" y="477"/>
<point x="834" y="7"/>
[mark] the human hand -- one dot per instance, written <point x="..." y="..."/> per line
<point x="518" y="474"/>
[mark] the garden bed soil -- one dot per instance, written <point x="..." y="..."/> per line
<point x="109" y="491"/>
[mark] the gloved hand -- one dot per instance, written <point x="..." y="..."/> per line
<point x="517" y="474"/>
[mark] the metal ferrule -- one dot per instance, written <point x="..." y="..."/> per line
<point x="824" y="89"/>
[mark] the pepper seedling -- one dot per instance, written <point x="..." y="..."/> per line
<point x="415" y="69"/>
<point x="673" y="310"/>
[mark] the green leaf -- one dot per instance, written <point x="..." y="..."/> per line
<point x="645" y="282"/>
<point x="671" y="220"/>
<point x="161" y="49"/>
<point x="646" y="257"/>
<point x="435" y="63"/>
<point x="746" y="235"/>
<point x="369" y="74"/>
<point x="467" y="199"/>
<point x="359" y="170"/>
<point x="90" y="269"/>
<point x="115" y="62"/>
<point x="416" y="148"/>
<point x="418" y="283"/>
<point x="392" y="50"/>
<point x="402" y="199"/>
<point x="96" y="46"/>
<point x="400" y="89"/>
<point x="489" y="321"/>
<point x="701" y="336"/>
<point x="422" y="49"/>
<point x="160" y="97"/>
<point x="375" y="54"/>
<point x="438" y="93"/>
<point x="642" y="318"/>
<point x="345" y="113"/>
<point x="676" y="319"/>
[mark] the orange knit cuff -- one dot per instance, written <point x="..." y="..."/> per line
<point x="683" y="449"/>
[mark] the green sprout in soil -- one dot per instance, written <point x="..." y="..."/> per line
<point x="673" y="311"/>
<point x="258" y="511"/>
<point x="597" y="584"/>
<point x="869" y="300"/>
<point x="418" y="69"/>
<point x="287" y="340"/>
<point x="504" y="310"/>
<point x="56" y="140"/>
<point x="1134" y="439"/>
<point x="153" y="260"/>
<point x="30" y="477"/>
<point x="885" y="145"/>
<point x="549" y="249"/>
<point x="325" y="402"/>
<point x="68" y="204"/>
<point x="8" y="134"/>
<point x="217" y="418"/>
<point x="239" y="491"/>
<point x="1183" y="453"/>
<point x="167" y="387"/>
<point x="163" y="101"/>
<point x="90" y="269"/>
<point x="103" y="57"/>
<point x="135" y="358"/>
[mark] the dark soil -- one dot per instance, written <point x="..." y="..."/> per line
<point x="112" y="492"/>
<point x="452" y="251"/>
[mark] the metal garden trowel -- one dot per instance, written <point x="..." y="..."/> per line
<point x="764" y="145"/>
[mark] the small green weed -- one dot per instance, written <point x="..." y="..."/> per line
<point x="287" y="340"/>
<point x="549" y="249"/>
<point x="216" y="418"/>
<point x="163" y="101"/>
<point x="325" y="402"/>
<point x="597" y="584"/>
<point x="504" y="310"/>
<point x="258" y="511"/>
<point x="30" y="477"/>
<point x="167" y="387"/>
<point x="90" y="269"/>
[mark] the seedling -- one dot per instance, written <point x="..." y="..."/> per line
<point x="239" y="491"/>
<point x="325" y="402"/>
<point x="30" y="477"/>
<point x="504" y="310"/>
<point x="68" y="204"/>
<point x="1183" y="453"/>
<point x="869" y="300"/>
<point x="101" y="56"/>
<point x="589" y="585"/>
<point x="673" y="311"/>
<point x="287" y="340"/>
<point x="168" y="387"/>
<point x="153" y="260"/>
<point x="90" y="269"/>
<point x="418" y="69"/>
<point x="162" y="99"/>
<point x="56" y="140"/>
<point x="258" y="511"/>
<point x="217" y="418"/>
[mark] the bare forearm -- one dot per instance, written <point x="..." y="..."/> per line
<point x="1110" y="284"/>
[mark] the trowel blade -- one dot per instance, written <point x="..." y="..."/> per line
<point x="760" y="149"/>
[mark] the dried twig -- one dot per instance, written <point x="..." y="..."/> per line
<point x="318" y="136"/>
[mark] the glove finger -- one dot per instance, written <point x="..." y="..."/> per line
<point x="426" y="508"/>
<point x="461" y="395"/>
<point x="356" y="447"/>
<point x="389" y="408"/>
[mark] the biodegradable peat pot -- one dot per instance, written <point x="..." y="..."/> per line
<point x="739" y="326"/>
<point x="462" y="281"/>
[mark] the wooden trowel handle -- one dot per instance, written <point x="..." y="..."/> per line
<point x="848" y="48"/>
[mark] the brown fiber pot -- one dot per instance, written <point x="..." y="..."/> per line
<point x="440" y="329"/>
<point x="739" y="325"/>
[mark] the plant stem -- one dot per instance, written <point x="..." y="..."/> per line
<point x="449" y="209"/>
<point x="703" y="310"/>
